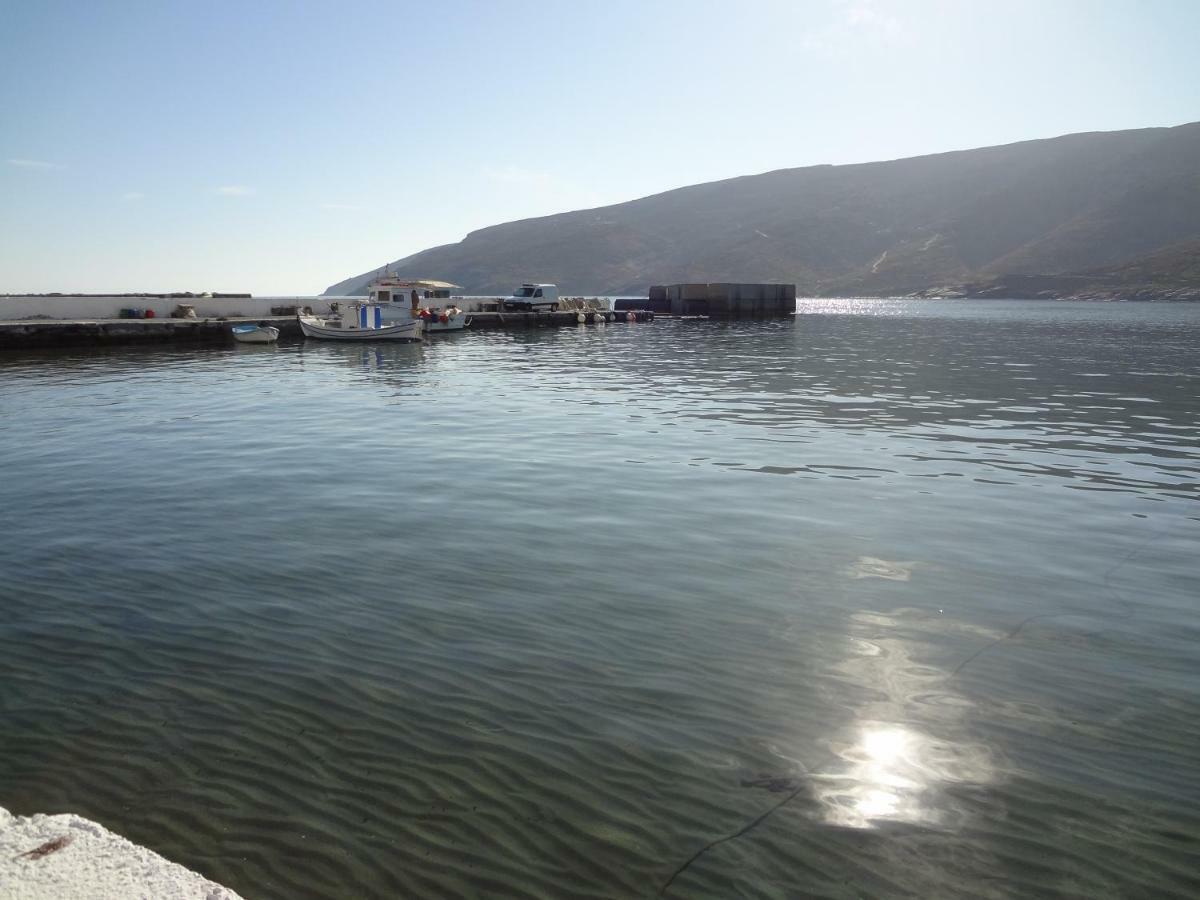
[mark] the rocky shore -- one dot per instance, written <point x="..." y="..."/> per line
<point x="1065" y="287"/>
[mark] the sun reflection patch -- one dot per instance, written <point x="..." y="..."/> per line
<point x="911" y="738"/>
<point x="885" y="780"/>
<point x="877" y="805"/>
<point x="872" y="567"/>
<point x="886" y="745"/>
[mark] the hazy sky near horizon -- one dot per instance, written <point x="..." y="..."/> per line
<point x="278" y="147"/>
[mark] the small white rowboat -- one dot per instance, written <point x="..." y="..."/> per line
<point x="255" y="334"/>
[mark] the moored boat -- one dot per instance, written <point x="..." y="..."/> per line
<point x="403" y="300"/>
<point x="360" y="322"/>
<point x="255" y="334"/>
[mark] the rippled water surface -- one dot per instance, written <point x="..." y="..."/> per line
<point x="894" y="599"/>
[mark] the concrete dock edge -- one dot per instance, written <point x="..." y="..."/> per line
<point x="67" y="857"/>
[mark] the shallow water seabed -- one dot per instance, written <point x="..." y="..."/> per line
<point x="917" y="576"/>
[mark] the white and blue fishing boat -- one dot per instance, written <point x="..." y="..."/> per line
<point x="250" y="333"/>
<point x="360" y="322"/>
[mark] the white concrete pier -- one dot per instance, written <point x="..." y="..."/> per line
<point x="66" y="857"/>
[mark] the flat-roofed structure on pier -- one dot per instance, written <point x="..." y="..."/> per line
<point x="725" y="300"/>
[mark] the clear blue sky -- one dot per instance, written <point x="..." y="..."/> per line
<point x="278" y="147"/>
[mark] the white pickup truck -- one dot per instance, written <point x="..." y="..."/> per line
<point x="533" y="296"/>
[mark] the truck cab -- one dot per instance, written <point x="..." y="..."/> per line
<point x="533" y="296"/>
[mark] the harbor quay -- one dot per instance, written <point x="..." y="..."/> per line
<point x="48" y="333"/>
<point x="73" y="320"/>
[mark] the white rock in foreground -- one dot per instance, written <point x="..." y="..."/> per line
<point x="91" y="863"/>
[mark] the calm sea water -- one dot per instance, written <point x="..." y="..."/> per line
<point x="894" y="599"/>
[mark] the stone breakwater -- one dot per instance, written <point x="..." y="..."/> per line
<point x="67" y="857"/>
<point x="99" y="332"/>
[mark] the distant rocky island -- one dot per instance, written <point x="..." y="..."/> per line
<point x="1108" y="215"/>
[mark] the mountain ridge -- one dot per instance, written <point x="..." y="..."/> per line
<point x="955" y="222"/>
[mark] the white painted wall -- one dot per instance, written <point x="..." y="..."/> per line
<point x="72" y="307"/>
<point x="89" y="308"/>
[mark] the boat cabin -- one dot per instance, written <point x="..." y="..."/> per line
<point x="390" y="289"/>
